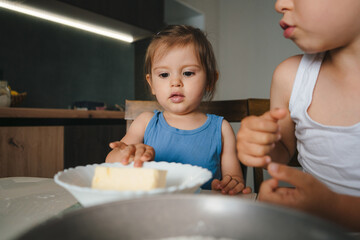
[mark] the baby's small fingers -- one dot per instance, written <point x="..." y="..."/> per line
<point x="116" y="155"/>
<point x="126" y="159"/>
<point x="227" y="183"/>
<point x="149" y="154"/>
<point x="117" y="144"/>
<point x="138" y="163"/>
<point x="225" y="180"/>
<point x="215" y="184"/>
<point x="233" y="186"/>
<point x="239" y="187"/>
<point x="139" y="152"/>
<point x="127" y="154"/>
<point x="129" y="150"/>
<point x="143" y="154"/>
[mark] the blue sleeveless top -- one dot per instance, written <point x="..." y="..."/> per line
<point x="200" y="147"/>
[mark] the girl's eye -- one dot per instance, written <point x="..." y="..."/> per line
<point x="163" y="75"/>
<point x="188" y="74"/>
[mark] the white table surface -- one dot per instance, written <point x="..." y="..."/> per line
<point x="27" y="201"/>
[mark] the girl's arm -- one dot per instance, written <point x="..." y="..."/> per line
<point x="232" y="181"/>
<point x="130" y="147"/>
<point x="136" y="131"/>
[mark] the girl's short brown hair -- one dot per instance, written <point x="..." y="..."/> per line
<point x="182" y="35"/>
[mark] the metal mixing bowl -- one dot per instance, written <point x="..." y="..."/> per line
<point x="167" y="216"/>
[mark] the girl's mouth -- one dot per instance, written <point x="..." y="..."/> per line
<point x="287" y="29"/>
<point x="177" y="97"/>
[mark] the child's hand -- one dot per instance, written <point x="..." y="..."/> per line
<point x="257" y="137"/>
<point x="308" y="194"/>
<point x="230" y="185"/>
<point x="139" y="153"/>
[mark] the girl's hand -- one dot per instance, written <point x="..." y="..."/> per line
<point x="137" y="153"/>
<point x="230" y="185"/>
<point x="257" y="137"/>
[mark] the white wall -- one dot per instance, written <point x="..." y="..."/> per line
<point x="251" y="45"/>
<point x="211" y="11"/>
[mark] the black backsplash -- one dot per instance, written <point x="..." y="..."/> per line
<point x="57" y="65"/>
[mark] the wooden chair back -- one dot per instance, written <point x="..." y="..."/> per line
<point x="133" y="108"/>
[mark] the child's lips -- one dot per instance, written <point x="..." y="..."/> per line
<point x="176" y="97"/>
<point x="287" y="29"/>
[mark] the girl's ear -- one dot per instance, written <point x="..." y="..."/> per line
<point x="148" y="79"/>
<point x="217" y="76"/>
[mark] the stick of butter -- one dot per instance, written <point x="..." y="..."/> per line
<point x="122" y="179"/>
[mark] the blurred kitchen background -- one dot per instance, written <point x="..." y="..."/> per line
<point x="57" y="65"/>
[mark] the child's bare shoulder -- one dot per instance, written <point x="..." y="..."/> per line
<point x="141" y="121"/>
<point x="226" y="128"/>
<point x="144" y="117"/>
<point x="284" y="76"/>
<point x="287" y="69"/>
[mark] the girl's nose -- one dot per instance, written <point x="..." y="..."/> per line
<point x="283" y="5"/>
<point x="175" y="81"/>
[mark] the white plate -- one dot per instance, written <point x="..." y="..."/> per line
<point x="181" y="178"/>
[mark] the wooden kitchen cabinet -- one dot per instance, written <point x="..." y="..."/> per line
<point x="38" y="142"/>
<point x="31" y="151"/>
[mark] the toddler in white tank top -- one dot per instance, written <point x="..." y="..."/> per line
<point x="314" y="108"/>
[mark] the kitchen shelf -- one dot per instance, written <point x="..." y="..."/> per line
<point x="59" y="113"/>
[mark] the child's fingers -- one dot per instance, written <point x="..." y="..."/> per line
<point x="255" y="150"/>
<point x="268" y="191"/>
<point x="143" y="154"/>
<point x="239" y="186"/>
<point x="116" y="155"/>
<point x="225" y="181"/>
<point x="275" y="114"/>
<point x="216" y="185"/>
<point x="264" y="123"/>
<point x="262" y="137"/>
<point x="139" y="151"/>
<point x="233" y="184"/>
<point x="149" y="154"/>
<point x="117" y="144"/>
<point x="290" y="175"/>
<point x="138" y="163"/>
<point x="253" y="161"/>
<point x="127" y="154"/>
<point x="256" y="138"/>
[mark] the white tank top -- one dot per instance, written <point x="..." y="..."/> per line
<point x="329" y="153"/>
